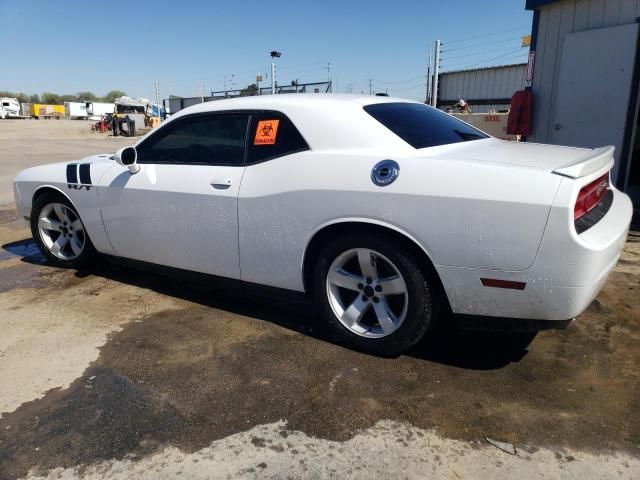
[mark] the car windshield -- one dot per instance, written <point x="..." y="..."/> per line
<point x="422" y="126"/>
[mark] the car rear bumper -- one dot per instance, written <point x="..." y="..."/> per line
<point x="567" y="274"/>
<point x="505" y="324"/>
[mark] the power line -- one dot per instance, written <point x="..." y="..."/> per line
<point x="475" y="54"/>
<point x="407" y="88"/>
<point x="493" y="42"/>
<point x="403" y="81"/>
<point x="304" y="65"/>
<point x="486" y="35"/>
<point x="489" y="60"/>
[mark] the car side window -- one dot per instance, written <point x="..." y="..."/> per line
<point x="199" y="140"/>
<point x="272" y="135"/>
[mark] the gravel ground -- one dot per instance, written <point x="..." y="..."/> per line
<point x="116" y="373"/>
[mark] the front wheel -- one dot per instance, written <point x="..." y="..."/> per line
<point x="373" y="294"/>
<point x="59" y="232"/>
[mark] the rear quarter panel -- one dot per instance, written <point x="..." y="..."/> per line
<point x="461" y="213"/>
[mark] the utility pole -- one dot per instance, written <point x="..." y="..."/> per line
<point x="328" y="67"/>
<point x="436" y="69"/>
<point x="371" y="86"/>
<point x="274" y="55"/>
<point x="427" y="96"/>
<point x="157" y="85"/>
<point x="201" y="91"/>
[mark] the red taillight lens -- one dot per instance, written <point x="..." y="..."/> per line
<point x="589" y="196"/>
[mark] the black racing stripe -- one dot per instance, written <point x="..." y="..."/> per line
<point x="72" y="173"/>
<point x="85" y="174"/>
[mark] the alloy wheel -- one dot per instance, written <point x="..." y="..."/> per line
<point x="367" y="293"/>
<point x="61" y="231"/>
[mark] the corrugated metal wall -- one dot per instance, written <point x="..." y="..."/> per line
<point x="493" y="83"/>
<point x="174" y="105"/>
<point x="555" y="21"/>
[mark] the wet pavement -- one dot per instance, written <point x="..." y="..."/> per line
<point x="183" y="365"/>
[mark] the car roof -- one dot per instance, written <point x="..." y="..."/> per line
<point x="326" y="121"/>
<point x="283" y="101"/>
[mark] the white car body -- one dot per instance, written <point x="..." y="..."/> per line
<point x="483" y="209"/>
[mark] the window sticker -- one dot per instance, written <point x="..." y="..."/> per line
<point x="266" y="132"/>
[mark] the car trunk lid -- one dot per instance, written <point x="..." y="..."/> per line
<point x="567" y="161"/>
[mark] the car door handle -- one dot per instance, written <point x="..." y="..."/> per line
<point x="221" y="182"/>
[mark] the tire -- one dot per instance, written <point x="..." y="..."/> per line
<point x="387" y="326"/>
<point x="59" y="232"/>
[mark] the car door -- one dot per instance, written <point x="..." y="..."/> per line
<point x="273" y="205"/>
<point x="180" y="209"/>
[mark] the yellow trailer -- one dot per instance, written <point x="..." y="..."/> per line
<point x="40" y="110"/>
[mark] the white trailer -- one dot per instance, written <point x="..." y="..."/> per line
<point x="97" y="109"/>
<point x="9" y="108"/>
<point x="76" y="110"/>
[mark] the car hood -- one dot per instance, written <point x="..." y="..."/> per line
<point x="518" y="154"/>
<point x="99" y="158"/>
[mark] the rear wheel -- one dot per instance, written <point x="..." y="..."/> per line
<point x="59" y="231"/>
<point x="373" y="295"/>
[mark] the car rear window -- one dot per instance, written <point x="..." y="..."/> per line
<point x="422" y="126"/>
<point x="273" y="135"/>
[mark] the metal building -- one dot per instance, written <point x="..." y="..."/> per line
<point x="174" y="104"/>
<point x="485" y="89"/>
<point x="584" y="55"/>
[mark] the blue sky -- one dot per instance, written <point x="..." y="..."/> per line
<point x="69" y="46"/>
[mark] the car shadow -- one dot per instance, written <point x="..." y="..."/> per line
<point x="446" y="344"/>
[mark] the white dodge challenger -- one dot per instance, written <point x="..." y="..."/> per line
<point x="384" y="209"/>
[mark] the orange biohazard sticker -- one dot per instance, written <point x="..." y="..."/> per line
<point x="266" y="132"/>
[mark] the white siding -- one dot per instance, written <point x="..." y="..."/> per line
<point x="481" y="84"/>
<point x="555" y="21"/>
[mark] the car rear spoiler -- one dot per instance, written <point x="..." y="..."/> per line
<point x="588" y="162"/>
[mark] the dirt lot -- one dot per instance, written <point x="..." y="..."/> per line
<point x="117" y="373"/>
<point x="25" y="143"/>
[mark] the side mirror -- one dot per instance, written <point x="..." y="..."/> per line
<point x="127" y="157"/>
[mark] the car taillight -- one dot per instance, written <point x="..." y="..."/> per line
<point x="589" y="196"/>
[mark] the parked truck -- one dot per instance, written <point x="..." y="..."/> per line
<point x="9" y="107"/>
<point x="40" y="110"/>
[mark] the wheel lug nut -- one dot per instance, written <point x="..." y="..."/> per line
<point x="369" y="280"/>
<point x="376" y="299"/>
<point x="364" y="298"/>
<point x="360" y="286"/>
<point x="378" y="288"/>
